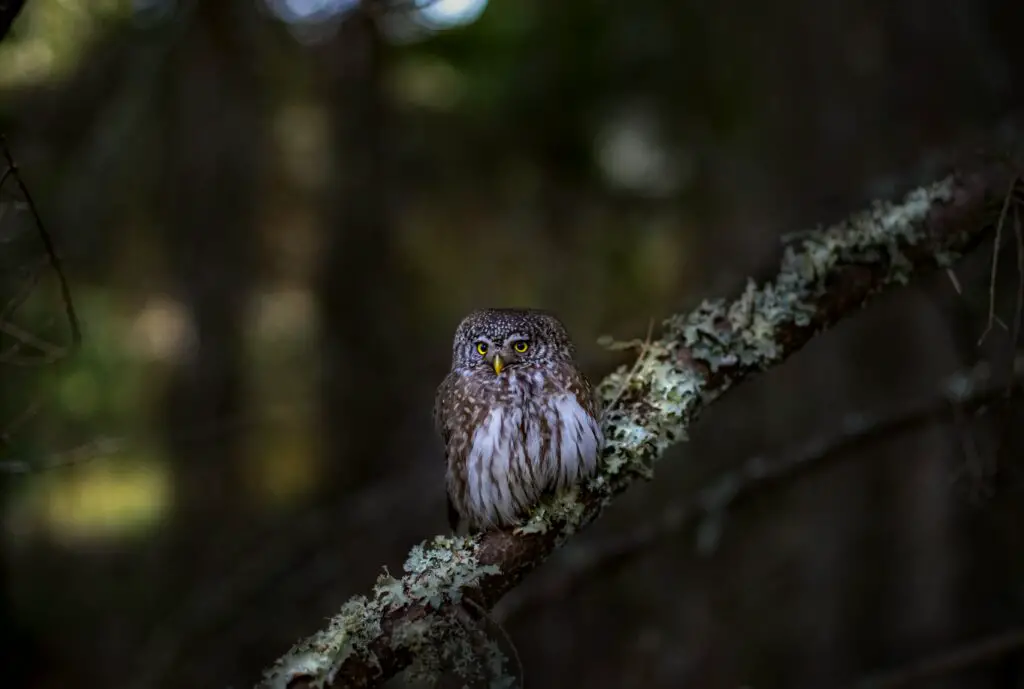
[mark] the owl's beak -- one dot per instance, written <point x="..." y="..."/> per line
<point x="499" y="365"/>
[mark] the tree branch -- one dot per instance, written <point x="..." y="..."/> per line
<point x="966" y="391"/>
<point x="416" y="622"/>
<point x="14" y="172"/>
<point x="9" y="10"/>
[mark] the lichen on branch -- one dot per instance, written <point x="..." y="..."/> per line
<point x="413" y="622"/>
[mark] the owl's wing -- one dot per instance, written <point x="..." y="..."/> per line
<point x="444" y="431"/>
<point x="440" y="425"/>
<point x="589" y="397"/>
<point x="598" y="403"/>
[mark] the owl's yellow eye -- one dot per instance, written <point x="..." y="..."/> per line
<point x="481" y="348"/>
<point x="521" y="346"/>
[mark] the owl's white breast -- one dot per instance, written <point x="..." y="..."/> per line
<point x="519" y="451"/>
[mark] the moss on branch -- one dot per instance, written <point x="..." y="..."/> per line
<point x="412" y="622"/>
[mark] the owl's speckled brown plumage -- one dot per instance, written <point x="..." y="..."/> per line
<point x="517" y="417"/>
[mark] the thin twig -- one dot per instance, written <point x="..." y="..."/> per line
<point x="995" y="261"/>
<point x="1018" y="309"/>
<point x="50" y="352"/>
<point x="979" y="652"/>
<point x="51" y="252"/>
<point x="644" y="346"/>
<point x="953" y="279"/>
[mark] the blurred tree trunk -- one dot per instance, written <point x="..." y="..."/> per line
<point x="214" y="140"/>
<point x="365" y="342"/>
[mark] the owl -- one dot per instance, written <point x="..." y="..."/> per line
<point x="517" y="417"/>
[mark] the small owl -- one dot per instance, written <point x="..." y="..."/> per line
<point x="517" y="417"/>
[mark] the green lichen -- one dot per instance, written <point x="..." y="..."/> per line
<point x="495" y="664"/>
<point x="565" y="509"/>
<point x="746" y="331"/>
<point x="442" y="639"/>
<point x="451" y="643"/>
<point x="390" y="591"/>
<point x="435" y="574"/>
<point x="320" y="656"/>
<point x="651" y="402"/>
<point x="439" y="573"/>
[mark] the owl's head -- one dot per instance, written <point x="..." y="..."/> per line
<point x="499" y="339"/>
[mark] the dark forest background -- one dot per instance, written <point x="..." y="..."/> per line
<point x="273" y="213"/>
